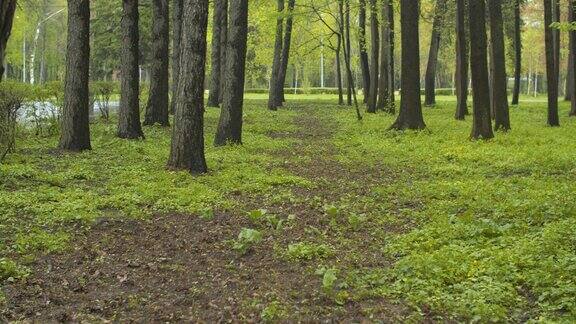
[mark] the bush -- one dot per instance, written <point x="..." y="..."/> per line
<point x="103" y="92"/>
<point x="298" y="91"/>
<point x="11" y="99"/>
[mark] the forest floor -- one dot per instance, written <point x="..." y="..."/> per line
<point x="317" y="217"/>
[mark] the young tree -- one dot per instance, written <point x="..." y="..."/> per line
<point x="277" y="62"/>
<point x="462" y="63"/>
<point x="348" y="50"/>
<point x="364" y="63"/>
<point x="430" y="79"/>
<point x="177" y="8"/>
<point x="384" y="79"/>
<point x="129" y="112"/>
<point x="158" y="101"/>
<point x="553" y="119"/>
<point x="410" y="116"/>
<point x="187" y="150"/>
<point x="572" y="72"/>
<point x="230" y="123"/>
<point x="374" y="57"/>
<point x="517" y="53"/>
<point x="75" y="132"/>
<point x="482" y="124"/>
<point x="7" y="9"/>
<point x="219" y="16"/>
<point x="499" y="78"/>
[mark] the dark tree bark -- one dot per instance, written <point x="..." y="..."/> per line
<point x="553" y="119"/>
<point x="158" y="101"/>
<point x="499" y="78"/>
<point x="187" y="150"/>
<point x="517" y="53"/>
<point x="285" y="54"/>
<point x="364" y="63"/>
<point x="230" y="123"/>
<point x="572" y="72"/>
<point x="430" y="78"/>
<point x="482" y="124"/>
<point x="348" y="65"/>
<point x="410" y="116"/>
<point x="569" y="75"/>
<point x="392" y="69"/>
<point x="75" y="132"/>
<point x="220" y="13"/>
<point x="277" y="62"/>
<point x="7" y="10"/>
<point x="223" y="47"/>
<point x="384" y="79"/>
<point x="129" y="112"/>
<point x="348" y="51"/>
<point x="556" y="33"/>
<point x="462" y="63"/>
<point x="339" y="72"/>
<point x="176" y="37"/>
<point x="374" y="57"/>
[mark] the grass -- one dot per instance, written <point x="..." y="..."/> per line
<point x="475" y="231"/>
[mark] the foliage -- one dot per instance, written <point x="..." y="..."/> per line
<point x="247" y="239"/>
<point x="11" y="99"/>
<point x="304" y="251"/>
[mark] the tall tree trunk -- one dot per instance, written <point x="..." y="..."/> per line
<point x="392" y="69"/>
<point x="572" y="72"/>
<point x="348" y="51"/>
<point x="430" y="79"/>
<point x="223" y="47"/>
<point x="220" y="13"/>
<point x="499" y="78"/>
<point x="364" y="64"/>
<point x="277" y="62"/>
<point x="517" y="53"/>
<point x="410" y="116"/>
<point x="285" y="54"/>
<point x="339" y="72"/>
<point x="75" y="132"/>
<point x="553" y="119"/>
<point x="129" y="112"/>
<point x="230" y="123"/>
<point x="158" y="101"/>
<point x="176" y="38"/>
<point x="7" y="10"/>
<point x="187" y="149"/>
<point x="374" y="57"/>
<point x="482" y="124"/>
<point x="347" y="64"/>
<point x="384" y="80"/>
<point x="462" y="64"/>
<point x="569" y="75"/>
<point x="556" y="33"/>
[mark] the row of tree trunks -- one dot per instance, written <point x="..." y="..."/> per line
<point x="220" y="15"/>
<point x="572" y="67"/>
<point x="553" y="119"/>
<point x="498" y="58"/>
<point x="374" y="57"/>
<point x="364" y="63"/>
<point x="177" y="9"/>
<point x="517" y="53"/>
<point x="462" y="63"/>
<point x="7" y="10"/>
<point x="430" y="77"/>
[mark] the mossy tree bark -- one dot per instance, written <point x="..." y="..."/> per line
<point x="462" y="64"/>
<point x="549" y="39"/>
<point x="187" y="150"/>
<point x="499" y="77"/>
<point x="75" y="127"/>
<point x="218" y="31"/>
<point x="430" y="77"/>
<point x="7" y="10"/>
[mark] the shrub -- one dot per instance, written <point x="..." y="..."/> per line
<point x="103" y="92"/>
<point x="11" y="99"/>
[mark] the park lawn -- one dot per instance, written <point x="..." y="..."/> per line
<point x="438" y="226"/>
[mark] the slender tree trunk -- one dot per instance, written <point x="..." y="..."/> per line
<point x="384" y="80"/>
<point x="176" y="37"/>
<point x="75" y="127"/>
<point x="374" y="57"/>
<point x="277" y="62"/>
<point x="410" y="116"/>
<point x="285" y="54"/>
<point x="430" y="79"/>
<point x="499" y="78"/>
<point x="230" y="123"/>
<point x="187" y="149"/>
<point x="553" y="119"/>
<point x="364" y="63"/>
<point x="129" y="112"/>
<point x="462" y="63"/>
<point x="223" y="48"/>
<point x="7" y="10"/>
<point x="392" y="69"/>
<point x="517" y="53"/>
<point x="348" y="67"/>
<point x="339" y="72"/>
<point x="348" y="51"/>
<point x="482" y="125"/>
<point x="572" y="72"/>
<point x="556" y="33"/>
<point x="569" y="77"/>
<point x="220" y="13"/>
<point x="158" y="101"/>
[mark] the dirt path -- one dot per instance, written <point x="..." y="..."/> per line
<point x="182" y="268"/>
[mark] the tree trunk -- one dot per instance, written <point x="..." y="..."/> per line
<point x="392" y="69"/>
<point x="230" y="123"/>
<point x="285" y="54"/>
<point x="499" y="78"/>
<point x="572" y="72"/>
<point x="351" y="87"/>
<point x="129" y="112"/>
<point x="277" y="62"/>
<point x="176" y="38"/>
<point x="374" y="57"/>
<point x="410" y="116"/>
<point x="7" y="10"/>
<point x="430" y="79"/>
<point x="158" y="101"/>
<point x="569" y="75"/>
<point x="348" y="51"/>
<point x="384" y="80"/>
<point x="364" y="65"/>
<point x="339" y="72"/>
<point x="517" y="53"/>
<point x="482" y="124"/>
<point x="553" y="119"/>
<point x="75" y="132"/>
<point x="187" y="150"/>
<point x="462" y="63"/>
<point x="556" y="33"/>
<point x="220" y="13"/>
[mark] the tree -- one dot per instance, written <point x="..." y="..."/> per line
<point x="498" y="56"/>
<point x="384" y="79"/>
<point x="517" y="53"/>
<point x="218" y="46"/>
<point x="187" y="149"/>
<point x="374" y="57"/>
<point x="348" y="51"/>
<point x="277" y="62"/>
<point x="177" y="8"/>
<point x="364" y="63"/>
<point x="7" y="9"/>
<point x="430" y="79"/>
<point x="129" y="112"/>
<point x="285" y="53"/>
<point x="482" y="124"/>
<point x="230" y="124"/>
<point x="158" y="101"/>
<point x="462" y="63"/>
<point x="572" y="72"/>
<point x="75" y="127"/>
<point x="553" y="119"/>
<point x="392" y="69"/>
<point x="410" y="116"/>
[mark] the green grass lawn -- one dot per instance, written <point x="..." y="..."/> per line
<point x="473" y="231"/>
